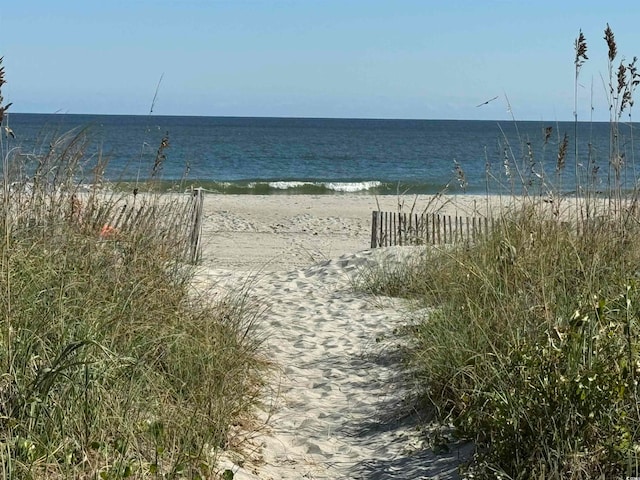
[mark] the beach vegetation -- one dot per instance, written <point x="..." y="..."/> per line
<point x="530" y="344"/>
<point x="111" y="365"/>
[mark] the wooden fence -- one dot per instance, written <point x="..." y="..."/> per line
<point x="171" y="217"/>
<point x="397" y="228"/>
<point x="184" y="220"/>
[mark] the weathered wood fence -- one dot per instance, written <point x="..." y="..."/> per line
<point x="195" y="236"/>
<point x="398" y="228"/>
<point x="185" y="219"/>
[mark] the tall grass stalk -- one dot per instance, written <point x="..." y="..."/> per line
<point x="580" y="58"/>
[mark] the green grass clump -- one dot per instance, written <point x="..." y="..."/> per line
<point x="110" y="366"/>
<point x="531" y="346"/>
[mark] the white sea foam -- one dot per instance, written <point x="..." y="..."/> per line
<point x="288" y="185"/>
<point x="349" y="187"/>
<point x="352" y="187"/>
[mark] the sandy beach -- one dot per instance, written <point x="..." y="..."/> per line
<point x="334" y="407"/>
<point x="284" y="232"/>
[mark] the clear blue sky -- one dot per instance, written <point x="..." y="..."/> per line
<point x="311" y="58"/>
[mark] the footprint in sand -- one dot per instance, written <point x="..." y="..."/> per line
<point x="337" y="414"/>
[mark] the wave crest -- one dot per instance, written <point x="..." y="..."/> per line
<point x="348" y="187"/>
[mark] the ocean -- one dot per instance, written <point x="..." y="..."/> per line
<point x="330" y="156"/>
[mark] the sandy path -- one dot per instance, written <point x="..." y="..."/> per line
<point x="337" y="401"/>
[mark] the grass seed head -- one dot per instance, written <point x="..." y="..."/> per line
<point x="581" y="50"/>
<point x="462" y="179"/>
<point x="611" y="43"/>
<point x="3" y="108"/>
<point x="562" y="153"/>
<point x="160" y="156"/>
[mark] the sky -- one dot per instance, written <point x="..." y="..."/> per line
<point x="414" y="59"/>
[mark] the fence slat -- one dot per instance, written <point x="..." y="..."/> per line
<point x="433" y="229"/>
<point x="444" y="228"/>
<point x="395" y="238"/>
<point x="195" y="243"/>
<point x="374" y="229"/>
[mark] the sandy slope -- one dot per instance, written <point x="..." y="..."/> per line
<point x="336" y="407"/>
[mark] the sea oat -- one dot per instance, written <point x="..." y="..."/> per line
<point x="4" y="108"/>
<point x="617" y="161"/>
<point x="532" y="163"/>
<point x="633" y="70"/>
<point x="628" y="79"/>
<point x="594" y="173"/>
<point x="562" y="153"/>
<point x="622" y="77"/>
<point x="581" y="50"/>
<point x="160" y="155"/>
<point x="462" y="179"/>
<point x="611" y="43"/>
<point x="634" y="78"/>
<point x="506" y="163"/>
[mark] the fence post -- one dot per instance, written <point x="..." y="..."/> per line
<point x="196" y="226"/>
<point x="374" y="229"/>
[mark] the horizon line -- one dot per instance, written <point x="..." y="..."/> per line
<point x="315" y="118"/>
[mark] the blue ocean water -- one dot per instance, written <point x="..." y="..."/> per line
<point x="304" y="155"/>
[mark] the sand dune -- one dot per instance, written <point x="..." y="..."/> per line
<point x="335" y="407"/>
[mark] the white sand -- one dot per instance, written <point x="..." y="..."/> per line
<point x="283" y="232"/>
<point x="335" y="408"/>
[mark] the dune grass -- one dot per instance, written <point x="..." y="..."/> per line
<point x="531" y="345"/>
<point x="111" y="367"/>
